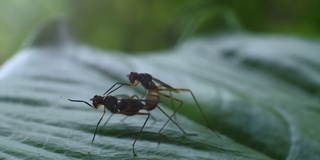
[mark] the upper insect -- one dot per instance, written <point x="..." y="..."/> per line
<point x="143" y="78"/>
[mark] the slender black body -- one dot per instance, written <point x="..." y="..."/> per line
<point x="155" y="88"/>
<point x="144" y="78"/>
<point x="125" y="106"/>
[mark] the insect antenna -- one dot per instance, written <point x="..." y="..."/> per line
<point x="74" y="100"/>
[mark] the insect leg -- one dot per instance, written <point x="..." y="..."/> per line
<point x="95" y="132"/>
<point x="107" y="121"/>
<point x="175" y="111"/>
<point x="175" y="122"/>
<point x="120" y="85"/>
<point x="148" y="114"/>
<point x="195" y="100"/>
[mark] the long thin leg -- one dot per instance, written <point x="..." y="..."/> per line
<point x="148" y="114"/>
<point x="151" y="116"/>
<point x="172" y="105"/>
<point x="121" y="84"/>
<point x="165" y="114"/>
<point x="194" y="98"/>
<point x="95" y="132"/>
<point x="175" y="111"/>
<point x="166" y="86"/>
<point x="107" y="121"/>
<point x="175" y="122"/>
<point x="123" y="119"/>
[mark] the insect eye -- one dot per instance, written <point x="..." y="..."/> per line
<point x="96" y="101"/>
<point x="133" y="76"/>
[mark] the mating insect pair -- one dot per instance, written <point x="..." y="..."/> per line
<point x="130" y="106"/>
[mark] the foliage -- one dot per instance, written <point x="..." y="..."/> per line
<point x="143" y="25"/>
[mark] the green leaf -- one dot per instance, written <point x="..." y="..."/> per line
<point x="258" y="92"/>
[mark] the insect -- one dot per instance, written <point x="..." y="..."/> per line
<point x="155" y="87"/>
<point x="126" y="106"/>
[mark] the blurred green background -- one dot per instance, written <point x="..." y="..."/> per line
<point x="137" y="26"/>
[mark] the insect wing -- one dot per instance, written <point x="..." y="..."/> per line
<point x="162" y="83"/>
